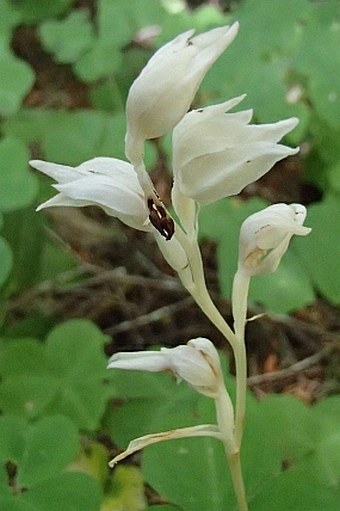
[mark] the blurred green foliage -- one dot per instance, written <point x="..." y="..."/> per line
<point x="54" y="391"/>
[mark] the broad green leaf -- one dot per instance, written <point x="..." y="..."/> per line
<point x="18" y="187"/>
<point x="9" y="18"/>
<point x="70" y="137"/>
<point x="296" y="489"/>
<point x="317" y="57"/>
<point x="5" y="260"/>
<point x="104" y="58"/>
<point x="100" y="61"/>
<point x="17" y="79"/>
<point x="35" y="10"/>
<point x="39" y="451"/>
<point x="77" y="137"/>
<point x="333" y="175"/>
<point x="12" y="438"/>
<point x="138" y="394"/>
<point x="264" y="73"/>
<point x="65" y="376"/>
<point x="74" y="492"/>
<point x="27" y="395"/>
<point x="130" y="18"/>
<point x="282" y="436"/>
<point x="287" y="289"/>
<point x="23" y="230"/>
<point x="68" y="491"/>
<point x="50" y="445"/>
<point x="320" y="250"/>
<point x="69" y="38"/>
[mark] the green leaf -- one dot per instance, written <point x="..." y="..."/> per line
<point x="282" y="436"/>
<point x="69" y="38"/>
<point x="100" y="61"/>
<point x="23" y="230"/>
<point x="139" y="394"/>
<point x="289" y="288"/>
<point x="132" y="17"/>
<point x="6" y="260"/>
<point x="68" y="491"/>
<point x="39" y="451"/>
<point x="35" y="10"/>
<point x="76" y="137"/>
<point x="264" y="73"/>
<point x="9" y="18"/>
<point x="333" y="175"/>
<point x="17" y="79"/>
<point x="318" y="58"/>
<point x="320" y="250"/>
<point x="64" y="377"/>
<point x="50" y="445"/>
<point x="18" y="187"/>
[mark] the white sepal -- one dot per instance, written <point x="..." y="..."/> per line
<point x="216" y="153"/>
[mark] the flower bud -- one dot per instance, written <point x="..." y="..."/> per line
<point x="265" y="236"/>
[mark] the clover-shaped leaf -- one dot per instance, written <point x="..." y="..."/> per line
<point x="33" y="459"/>
<point x="18" y="187"/>
<point x="66" y="376"/>
<point x="67" y="39"/>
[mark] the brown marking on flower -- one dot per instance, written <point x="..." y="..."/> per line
<point x="160" y="219"/>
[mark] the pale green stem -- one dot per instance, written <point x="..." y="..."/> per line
<point x="224" y="413"/>
<point x="239" y="306"/>
<point x="237" y="478"/>
<point x="239" y="302"/>
<point x="203" y="299"/>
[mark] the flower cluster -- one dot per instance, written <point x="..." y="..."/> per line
<point x="216" y="153"/>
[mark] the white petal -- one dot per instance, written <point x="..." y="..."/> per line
<point x="216" y="154"/>
<point x="60" y="173"/>
<point x="62" y="200"/>
<point x="153" y="361"/>
<point x="103" y="191"/>
<point x="211" y="177"/>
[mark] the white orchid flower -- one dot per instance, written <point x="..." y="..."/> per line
<point x="105" y="182"/>
<point x="163" y="92"/>
<point x="113" y="185"/>
<point x="216" y="153"/>
<point x="264" y="238"/>
<point x="198" y="364"/>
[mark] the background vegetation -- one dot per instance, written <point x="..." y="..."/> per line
<point x="75" y="286"/>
